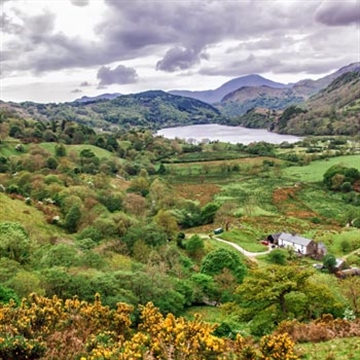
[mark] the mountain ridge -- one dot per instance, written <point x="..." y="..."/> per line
<point x="215" y="95"/>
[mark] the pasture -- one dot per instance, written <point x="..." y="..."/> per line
<point x="315" y="170"/>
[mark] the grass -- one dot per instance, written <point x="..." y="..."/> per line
<point x="334" y="240"/>
<point x="246" y="239"/>
<point x="8" y="148"/>
<point x="32" y="219"/>
<point x="315" y="170"/>
<point x="336" y="349"/>
<point x="99" y="152"/>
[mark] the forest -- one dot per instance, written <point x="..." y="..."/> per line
<point x="108" y="251"/>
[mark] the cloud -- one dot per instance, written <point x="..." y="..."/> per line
<point x="120" y="75"/>
<point x="80" y="2"/>
<point x="76" y="91"/>
<point x="339" y="13"/>
<point x="178" y="59"/>
<point x="85" y="84"/>
<point x="179" y="35"/>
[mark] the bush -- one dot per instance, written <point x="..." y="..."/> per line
<point x="91" y="233"/>
<point x="278" y="256"/>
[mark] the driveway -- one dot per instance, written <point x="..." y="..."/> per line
<point x="243" y="251"/>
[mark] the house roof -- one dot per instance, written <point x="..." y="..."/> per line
<point x="295" y="239"/>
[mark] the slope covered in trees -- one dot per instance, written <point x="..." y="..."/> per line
<point x="131" y="217"/>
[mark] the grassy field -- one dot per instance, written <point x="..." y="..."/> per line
<point x="246" y="239"/>
<point x="8" y="148"/>
<point x="336" y="349"/>
<point x="315" y="170"/>
<point x="31" y="218"/>
<point x="99" y="152"/>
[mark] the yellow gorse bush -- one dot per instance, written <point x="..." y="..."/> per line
<point x="43" y="328"/>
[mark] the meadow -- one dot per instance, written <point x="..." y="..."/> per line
<point x="315" y="170"/>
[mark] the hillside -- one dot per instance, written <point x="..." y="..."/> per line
<point x="86" y="99"/>
<point x="335" y="110"/>
<point x="214" y="96"/>
<point x="242" y="100"/>
<point x="151" y="109"/>
<point x="128" y="218"/>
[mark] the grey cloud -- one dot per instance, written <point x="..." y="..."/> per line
<point x="8" y="26"/>
<point x="80" y="2"/>
<point x="339" y="13"/>
<point x="178" y="59"/>
<point x="250" y="65"/>
<point x="40" y="24"/>
<point x="120" y="75"/>
<point x="85" y="84"/>
<point x="76" y="91"/>
<point x="133" y="29"/>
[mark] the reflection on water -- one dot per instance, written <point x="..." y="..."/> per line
<point x="231" y="134"/>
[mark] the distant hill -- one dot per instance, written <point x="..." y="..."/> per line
<point x="214" y="96"/>
<point x="335" y="110"/>
<point x="150" y="109"/>
<point x="246" y="98"/>
<point x="309" y="87"/>
<point x="241" y="100"/>
<point x="86" y="99"/>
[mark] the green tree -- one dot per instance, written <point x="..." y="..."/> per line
<point x="60" y="150"/>
<point x="329" y="262"/>
<point x="7" y="294"/>
<point x="268" y="287"/>
<point x="167" y="222"/>
<point x="52" y="163"/>
<point x="217" y="260"/>
<point x="72" y="218"/>
<point x="208" y="213"/>
<point x="14" y="242"/>
<point x="195" y="246"/>
<point x="278" y="256"/>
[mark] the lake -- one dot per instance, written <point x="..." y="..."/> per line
<point x="222" y="133"/>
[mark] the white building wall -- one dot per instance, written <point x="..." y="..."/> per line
<point x="297" y="248"/>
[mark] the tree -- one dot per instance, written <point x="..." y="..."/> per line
<point x="217" y="260"/>
<point x="278" y="256"/>
<point x="208" y="213"/>
<point x="195" y="246"/>
<point x="168" y="222"/>
<point x="267" y="287"/>
<point x="72" y="218"/>
<point x="52" y="163"/>
<point x="7" y="294"/>
<point x="60" y="150"/>
<point x="14" y="242"/>
<point x="329" y="262"/>
<point x="272" y="294"/>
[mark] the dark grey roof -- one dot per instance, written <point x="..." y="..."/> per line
<point x="296" y="239"/>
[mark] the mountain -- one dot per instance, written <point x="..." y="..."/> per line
<point x="309" y="87"/>
<point x="246" y="98"/>
<point x="213" y="96"/>
<point x="335" y="110"/>
<point x="86" y="99"/>
<point x="241" y="100"/>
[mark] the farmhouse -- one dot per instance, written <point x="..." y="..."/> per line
<point x="300" y="244"/>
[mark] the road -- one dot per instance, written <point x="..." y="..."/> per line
<point x="243" y="251"/>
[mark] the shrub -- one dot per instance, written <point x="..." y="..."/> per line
<point x="278" y="256"/>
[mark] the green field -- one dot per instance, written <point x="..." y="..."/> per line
<point x="246" y="239"/>
<point x="316" y="169"/>
<point x="99" y="152"/>
<point x="337" y="349"/>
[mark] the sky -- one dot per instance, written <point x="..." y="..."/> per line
<point x="61" y="50"/>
